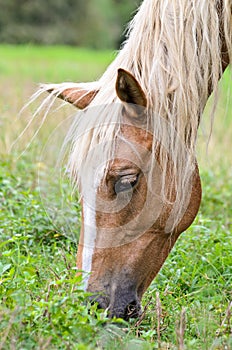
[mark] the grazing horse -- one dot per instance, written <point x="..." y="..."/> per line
<point x="132" y="154"/>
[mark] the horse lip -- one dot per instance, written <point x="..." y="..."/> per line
<point x="101" y="299"/>
<point x="131" y="310"/>
<point x="124" y="307"/>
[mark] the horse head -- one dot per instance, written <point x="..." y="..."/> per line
<point x="128" y="227"/>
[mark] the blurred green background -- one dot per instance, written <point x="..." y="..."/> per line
<point x="92" y="23"/>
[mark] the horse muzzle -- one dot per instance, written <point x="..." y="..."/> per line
<point x="123" y="303"/>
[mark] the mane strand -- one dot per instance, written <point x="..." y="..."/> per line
<point x="177" y="50"/>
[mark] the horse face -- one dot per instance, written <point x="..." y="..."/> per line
<point x="124" y="237"/>
<point x="125" y="248"/>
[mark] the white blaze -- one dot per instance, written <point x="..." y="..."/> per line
<point x="90" y="184"/>
<point x="89" y="238"/>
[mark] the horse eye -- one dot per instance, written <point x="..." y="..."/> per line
<point x="126" y="183"/>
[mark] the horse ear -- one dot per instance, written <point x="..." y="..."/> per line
<point x="130" y="92"/>
<point x="72" y="93"/>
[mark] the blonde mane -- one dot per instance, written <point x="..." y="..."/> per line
<point x="174" y="49"/>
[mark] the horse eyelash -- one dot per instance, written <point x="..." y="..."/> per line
<point x="127" y="181"/>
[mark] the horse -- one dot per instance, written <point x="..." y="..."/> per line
<point x="133" y="145"/>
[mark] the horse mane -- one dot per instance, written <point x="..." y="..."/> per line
<point x="174" y="49"/>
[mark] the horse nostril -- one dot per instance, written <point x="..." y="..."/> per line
<point x="132" y="310"/>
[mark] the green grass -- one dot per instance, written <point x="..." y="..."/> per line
<point x="61" y="63"/>
<point x="42" y="305"/>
